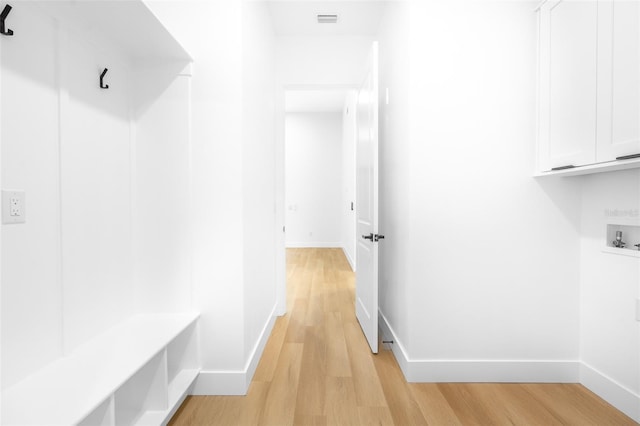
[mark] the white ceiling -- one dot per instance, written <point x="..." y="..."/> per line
<point x="299" y="17"/>
<point x="315" y="100"/>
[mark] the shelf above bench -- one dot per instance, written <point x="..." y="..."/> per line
<point x="73" y="387"/>
<point x="130" y="25"/>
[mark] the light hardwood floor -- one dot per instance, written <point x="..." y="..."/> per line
<point x="317" y="370"/>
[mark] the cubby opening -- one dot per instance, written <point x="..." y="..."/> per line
<point x="182" y="363"/>
<point x="144" y="396"/>
<point x="101" y="416"/>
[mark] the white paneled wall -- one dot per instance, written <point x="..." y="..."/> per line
<point x="31" y="269"/>
<point x="95" y="181"/>
<point x="162" y="208"/>
<point x="68" y="274"/>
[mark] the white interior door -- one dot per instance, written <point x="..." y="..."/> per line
<point x="367" y="202"/>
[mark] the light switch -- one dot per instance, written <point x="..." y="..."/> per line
<point x="13" y="207"/>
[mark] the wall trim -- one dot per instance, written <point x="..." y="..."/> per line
<point x="498" y="371"/>
<point x="258" y="348"/>
<point x="235" y="382"/>
<point x="351" y="261"/>
<point x="313" y="245"/>
<point x="220" y="383"/>
<point x="621" y="397"/>
<point x="397" y="347"/>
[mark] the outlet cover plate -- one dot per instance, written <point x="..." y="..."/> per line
<point x="13" y="207"/>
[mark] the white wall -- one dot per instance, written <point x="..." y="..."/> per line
<point x="1" y="258"/>
<point x="162" y="209"/>
<point x="494" y="275"/>
<point x="232" y="175"/>
<point x="479" y="227"/>
<point x="322" y="60"/>
<point x="259" y="180"/>
<point x="211" y="32"/>
<point x="313" y="179"/>
<point x="349" y="178"/>
<point x="394" y="178"/>
<point x="610" y="284"/>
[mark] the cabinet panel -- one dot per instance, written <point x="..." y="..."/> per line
<point x="572" y="83"/>
<point x="618" y="80"/>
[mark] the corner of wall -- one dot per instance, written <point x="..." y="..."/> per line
<point x="614" y="393"/>
<point x="499" y="371"/>
<point x="235" y="382"/>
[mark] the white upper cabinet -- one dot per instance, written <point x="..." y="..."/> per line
<point x="618" y="79"/>
<point x="589" y="87"/>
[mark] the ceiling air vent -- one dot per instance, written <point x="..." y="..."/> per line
<point x="327" y="19"/>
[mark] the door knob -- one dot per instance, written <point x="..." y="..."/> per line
<point x="368" y="237"/>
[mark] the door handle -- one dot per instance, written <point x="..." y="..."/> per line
<point x="368" y="237"/>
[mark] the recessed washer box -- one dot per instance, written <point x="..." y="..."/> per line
<point x="630" y="236"/>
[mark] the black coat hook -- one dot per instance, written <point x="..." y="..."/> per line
<point x="3" y="16"/>
<point x="102" y="85"/>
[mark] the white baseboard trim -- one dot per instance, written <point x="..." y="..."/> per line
<point x="497" y="371"/>
<point x="397" y="348"/>
<point x="235" y="382"/>
<point x="614" y="393"/>
<point x="258" y="348"/>
<point x="351" y="261"/>
<point x="313" y="245"/>
<point x="220" y="383"/>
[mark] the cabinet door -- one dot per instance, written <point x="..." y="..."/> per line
<point x="618" y="79"/>
<point x="568" y="59"/>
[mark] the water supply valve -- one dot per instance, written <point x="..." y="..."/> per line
<point x="618" y="241"/>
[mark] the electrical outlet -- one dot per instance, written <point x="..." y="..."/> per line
<point x="13" y="207"/>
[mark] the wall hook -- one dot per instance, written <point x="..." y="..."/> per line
<point x="3" y="16"/>
<point x="102" y="85"/>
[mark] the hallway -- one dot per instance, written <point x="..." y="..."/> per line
<point x="317" y="370"/>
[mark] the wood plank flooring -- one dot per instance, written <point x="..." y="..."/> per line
<point x="317" y="370"/>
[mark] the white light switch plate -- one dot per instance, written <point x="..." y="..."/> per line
<point x="13" y="207"/>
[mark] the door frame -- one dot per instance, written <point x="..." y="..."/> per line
<point x="280" y="209"/>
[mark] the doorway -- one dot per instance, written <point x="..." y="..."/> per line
<point x="319" y="132"/>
